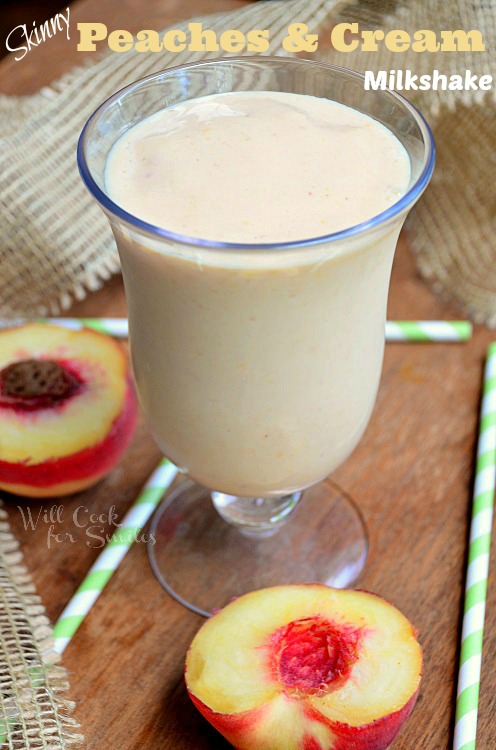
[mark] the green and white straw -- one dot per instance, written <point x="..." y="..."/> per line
<point x="477" y="566"/>
<point x="116" y="327"/>
<point x="101" y="571"/>
<point x="396" y="331"/>
<point x="108" y="561"/>
<point x="428" y="330"/>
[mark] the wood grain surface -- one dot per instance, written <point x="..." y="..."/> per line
<point x="411" y="475"/>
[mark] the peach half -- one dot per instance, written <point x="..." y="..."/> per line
<point x="67" y="409"/>
<point x="305" y="667"/>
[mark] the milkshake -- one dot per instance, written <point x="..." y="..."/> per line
<point x="257" y="366"/>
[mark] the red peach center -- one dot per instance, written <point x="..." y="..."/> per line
<point x="314" y="655"/>
<point x="31" y="384"/>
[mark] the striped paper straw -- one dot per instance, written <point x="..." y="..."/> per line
<point x="116" y="327"/>
<point x="108" y="561"/>
<point x="428" y="330"/>
<point x="477" y="566"/>
<point x="396" y="331"/>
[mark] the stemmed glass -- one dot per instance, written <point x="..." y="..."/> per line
<point x="257" y="366"/>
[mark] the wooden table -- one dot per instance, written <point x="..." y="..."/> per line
<point x="411" y="475"/>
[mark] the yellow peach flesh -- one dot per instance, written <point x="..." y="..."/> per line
<point x="88" y="416"/>
<point x="227" y="665"/>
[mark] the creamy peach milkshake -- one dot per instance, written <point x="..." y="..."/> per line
<point x="256" y="203"/>
<point x="257" y="370"/>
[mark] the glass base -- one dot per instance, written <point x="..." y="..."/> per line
<point x="203" y="561"/>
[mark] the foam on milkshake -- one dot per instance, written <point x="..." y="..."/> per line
<point x="257" y="167"/>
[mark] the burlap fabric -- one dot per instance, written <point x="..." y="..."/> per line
<point x="34" y="711"/>
<point x="452" y="230"/>
<point x="56" y="244"/>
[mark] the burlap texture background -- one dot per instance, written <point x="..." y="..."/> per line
<point x="35" y="713"/>
<point x="56" y="244"/>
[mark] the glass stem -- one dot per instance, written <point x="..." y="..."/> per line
<point x="255" y="516"/>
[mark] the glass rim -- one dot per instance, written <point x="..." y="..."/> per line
<point x="383" y="217"/>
